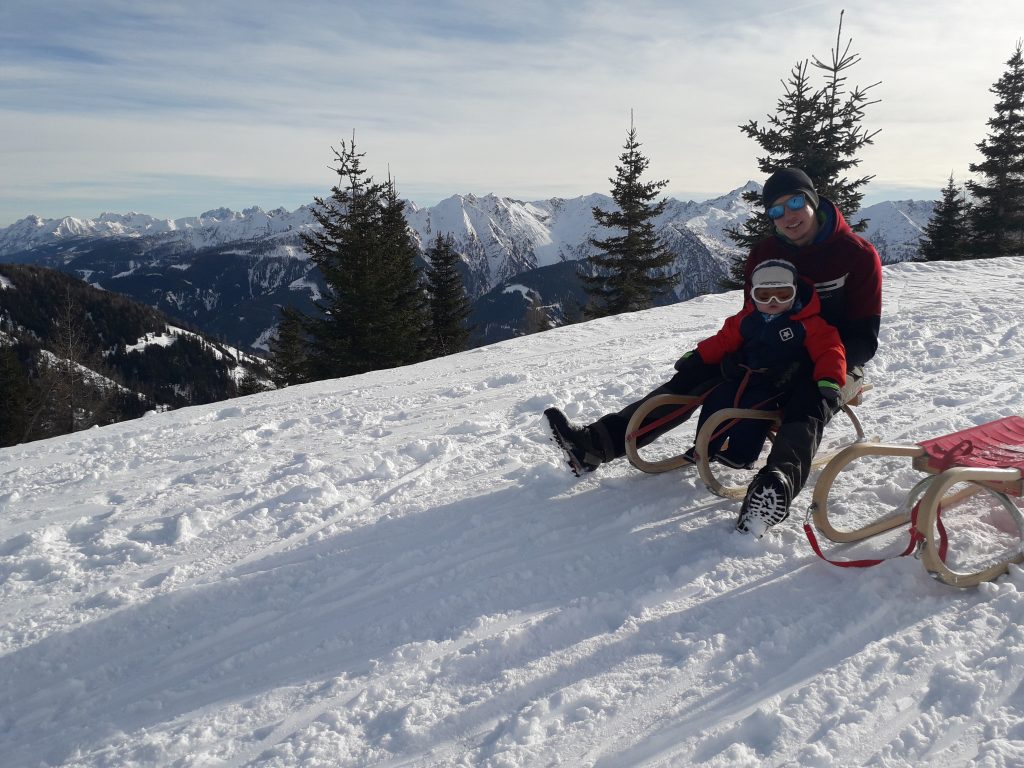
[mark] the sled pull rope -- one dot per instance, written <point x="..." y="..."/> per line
<point x="917" y="539"/>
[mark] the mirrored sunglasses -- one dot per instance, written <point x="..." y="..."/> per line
<point x="795" y="203"/>
<point x="773" y="294"/>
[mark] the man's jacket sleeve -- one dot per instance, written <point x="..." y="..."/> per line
<point x="826" y="350"/>
<point x="864" y="307"/>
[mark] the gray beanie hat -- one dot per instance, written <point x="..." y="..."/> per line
<point x="789" y="181"/>
<point x="775" y="273"/>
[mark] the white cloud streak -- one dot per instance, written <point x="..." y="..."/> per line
<point x="234" y="103"/>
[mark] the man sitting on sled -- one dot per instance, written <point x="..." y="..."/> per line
<point x="846" y="272"/>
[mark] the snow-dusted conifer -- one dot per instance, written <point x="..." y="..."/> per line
<point x="343" y="338"/>
<point x="15" y="393"/>
<point x="289" y="358"/>
<point x="632" y="268"/>
<point x="405" y="328"/>
<point x="819" y="131"/>
<point x="946" y="235"/>
<point x="997" y="211"/>
<point x="449" y="304"/>
<point x="375" y="314"/>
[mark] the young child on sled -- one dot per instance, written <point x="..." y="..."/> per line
<point x="759" y="351"/>
<point x="809" y="232"/>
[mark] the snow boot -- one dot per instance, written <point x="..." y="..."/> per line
<point x="766" y="503"/>
<point x="577" y="443"/>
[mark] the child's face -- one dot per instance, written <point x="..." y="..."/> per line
<point x="773" y="300"/>
<point x="774" y="308"/>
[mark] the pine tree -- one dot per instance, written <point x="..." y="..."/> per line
<point x="15" y="394"/>
<point x="250" y="384"/>
<point x="343" y="339"/>
<point x="69" y="345"/>
<point x="631" y="271"/>
<point x="841" y="135"/>
<point x="945" y="236"/>
<point x="289" y="350"/>
<point x="819" y="131"/>
<point x="406" y="326"/>
<point x="375" y="314"/>
<point x="449" y="304"/>
<point x="790" y="133"/>
<point x="997" y="213"/>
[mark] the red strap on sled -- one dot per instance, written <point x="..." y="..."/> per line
<point x="682" y="412"/>
<point x="915" y="539"/>
<point x="736" y="403"/>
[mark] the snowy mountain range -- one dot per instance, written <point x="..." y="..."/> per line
<point x="226" y="271"/>
<point x="397" y="569"/>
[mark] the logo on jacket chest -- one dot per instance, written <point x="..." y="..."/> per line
<point x="827" y="288"/>
<point x="786" y="334"/>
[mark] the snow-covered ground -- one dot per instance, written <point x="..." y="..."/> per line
<point x="396" y="569"/>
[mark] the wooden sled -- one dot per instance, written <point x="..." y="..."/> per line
<point x="989" y="457"/>
<point x="714" y="485"/>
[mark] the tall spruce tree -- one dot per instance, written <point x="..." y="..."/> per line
<point x="71" y="398"/>
<point x="449" y="304"/>
<point x="406" y="327"/>
<point x="631" y="270"/>
<point x="537" y="319"/>
<point x="818" y="130"/>
<point x="997" y="211"/>
<point x="374" y="315"/>
<point x="343" y="339"/>
<point x="945" y="237"/>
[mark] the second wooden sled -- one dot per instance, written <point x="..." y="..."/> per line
<point x="703" y="464"/>
<point x="988" y="457"/>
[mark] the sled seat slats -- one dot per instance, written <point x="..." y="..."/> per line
<point x="996" y="445"/>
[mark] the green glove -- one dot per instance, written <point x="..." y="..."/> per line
<point x="691" y="361"/>
<point x="830" y="391"/>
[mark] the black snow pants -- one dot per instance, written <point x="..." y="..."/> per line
<point x="804" y="416"/>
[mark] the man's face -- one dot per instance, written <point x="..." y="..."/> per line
<point x="799" y="226"/>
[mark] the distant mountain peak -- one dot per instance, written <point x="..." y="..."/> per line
<point x="229" y="272"/>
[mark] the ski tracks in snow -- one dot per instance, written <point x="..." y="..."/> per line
<point x="397" y="569"/>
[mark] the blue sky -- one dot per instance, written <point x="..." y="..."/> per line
<point x="178" y="107"/>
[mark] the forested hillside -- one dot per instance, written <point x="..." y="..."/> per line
<point x="73" y="356"/>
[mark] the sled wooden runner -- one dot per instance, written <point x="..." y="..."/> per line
<point x="988" y="457"/>
<point x="689" y="403"/>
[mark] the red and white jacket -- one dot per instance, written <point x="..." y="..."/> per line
<point x="788" y="338"/>
<point x="847" y="276"/>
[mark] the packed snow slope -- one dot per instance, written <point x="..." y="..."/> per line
<point x="396" y="569"/>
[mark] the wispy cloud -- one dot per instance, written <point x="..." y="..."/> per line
<point x="527" y="99"/>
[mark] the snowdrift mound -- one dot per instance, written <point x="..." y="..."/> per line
<point x="395" y="569"/>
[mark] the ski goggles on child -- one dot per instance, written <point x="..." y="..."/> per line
<point x="795" y="203"/>
<point x="773" y="294"/>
